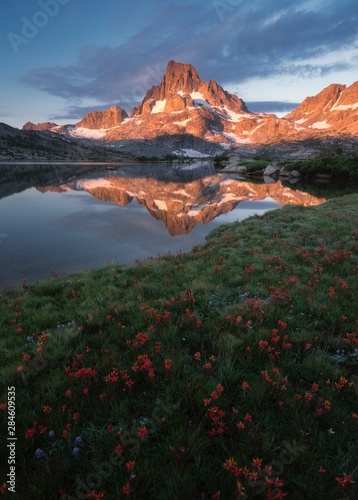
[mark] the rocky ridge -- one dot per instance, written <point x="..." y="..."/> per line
<point x="184" y="109"/>
<point x="111" y="117"/>
<point x="33" y="145"/>
<point x="185" y="104"/>
<point x="334" y="110"/>
<point x="39" y="126"/>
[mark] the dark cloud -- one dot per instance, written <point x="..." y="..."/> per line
<point x="226" y="40"/>
<point x="78" y="112"/>
<point x="271" y="106"/>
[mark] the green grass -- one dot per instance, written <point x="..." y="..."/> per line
<point x="255" y="165"/>
<point x="193" y="374"/>
<point x="336" y="166"/>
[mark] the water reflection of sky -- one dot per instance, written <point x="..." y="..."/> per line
<point x="72" y="230"/>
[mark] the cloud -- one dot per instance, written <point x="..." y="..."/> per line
<point x="271" y="106"/>
<point x="243" y="41"/>
<point x="78" y="112"/>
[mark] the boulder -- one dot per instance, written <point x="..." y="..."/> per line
<point x="269" y="180"/>
<point x="272" y="170"/>
<point x="296" y="173"/>
<point x="237" y="169"/>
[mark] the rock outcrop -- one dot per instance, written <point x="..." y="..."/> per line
<point x="111" y="117"/>
<point x="333" y="111"/>
<point x="39" y="126"/>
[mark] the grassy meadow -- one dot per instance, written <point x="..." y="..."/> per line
<point x="230" y="372"/>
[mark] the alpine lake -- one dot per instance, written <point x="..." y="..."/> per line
<point x="59" y="218"/>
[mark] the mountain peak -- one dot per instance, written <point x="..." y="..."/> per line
<point x="111" y="117"/>
<point x="178" y="77"/>
<point x="324" y="100"/>
<point x="39" y="126"/>
<point x="181" y="83"/>
<point x="181" y="77"/>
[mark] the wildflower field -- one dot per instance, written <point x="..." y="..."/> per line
<point x="230" y="372"/>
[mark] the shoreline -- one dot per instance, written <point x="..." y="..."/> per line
<point x="236" y="354"/>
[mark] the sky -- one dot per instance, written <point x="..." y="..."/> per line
<point x="63" y="58"/>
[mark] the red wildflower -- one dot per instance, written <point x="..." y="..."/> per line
<point x="348" y="479"/>
<point x="126" y="490"/>
<point x="341" y="482"/>
<point x="30" y="433"/>
<point x="130" y="465"/>
<point x="142" y="432"/>
<point x="97" y="495"/>
<point x="256" y="463"/>
<point x="230" y="464"/>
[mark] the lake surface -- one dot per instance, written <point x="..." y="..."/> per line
<point x="72" y="217"/>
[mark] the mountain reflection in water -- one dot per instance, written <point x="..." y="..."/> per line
<point x="66" y="218"/>
<point x="182" y="204"/>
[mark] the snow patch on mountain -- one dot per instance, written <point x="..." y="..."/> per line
<point x="302" y="120"/>
<point x="199" y="99"/>
<point x="344" y="107"/>
<point x="235" y="117"/>
<point x="87" y="133"/>
<point x="183" y="122"/>
<point x="159" y="106"/>
<point x="236" y="138"/>
<point x="321" y="125"/>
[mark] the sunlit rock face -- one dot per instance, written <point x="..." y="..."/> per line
<point x="111" y="117"/>
<point x="39" y="126"/>
<point x="184" y="105"/>
<point x="333" y="111"/>
<point x="186" y="197"/>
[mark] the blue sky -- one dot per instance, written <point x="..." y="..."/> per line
<point x="63" y="58"/>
